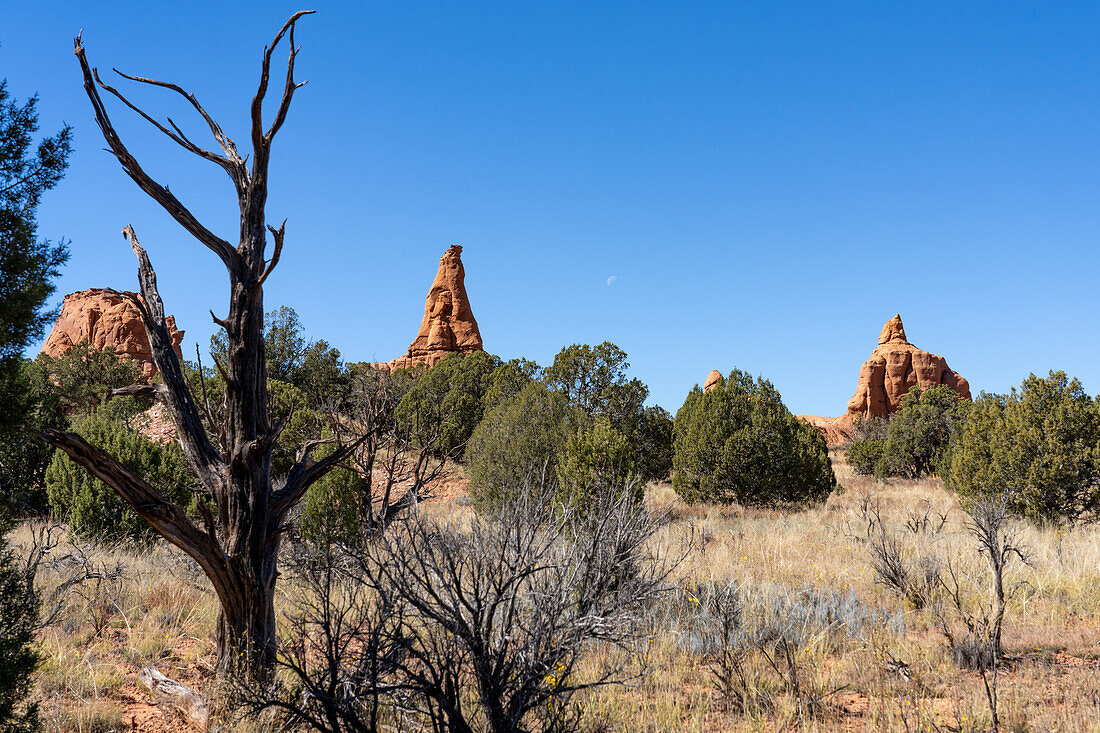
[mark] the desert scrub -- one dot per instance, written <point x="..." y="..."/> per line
<point x="766" y="643"/>
<point x="97" y="716"/>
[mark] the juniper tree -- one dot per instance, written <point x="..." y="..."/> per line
<point x="28" y="267"/>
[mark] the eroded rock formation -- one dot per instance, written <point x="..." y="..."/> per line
<point x="895" y="366"/>
<point x="712" y="379"/>
<point x="103" y="317"/>
<point x="449" y="325"/>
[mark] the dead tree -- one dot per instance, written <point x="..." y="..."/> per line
<point x="243" y="518"/>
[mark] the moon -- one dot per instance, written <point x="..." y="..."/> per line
<point x="611" y="280"/>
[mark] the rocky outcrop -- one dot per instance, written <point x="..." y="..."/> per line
<point x="712" y="379"/>
<point x="835" y="430"/>
<point x="103" y="318"/>
<point x="449" y="325"/>
<point x="895" y="366"/>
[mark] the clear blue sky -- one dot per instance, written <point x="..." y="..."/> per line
<point x="770" y="182"/>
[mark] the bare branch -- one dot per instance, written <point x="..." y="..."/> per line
<point x="154" y="391"/>
<point x="305" y="472"/>
<point x="192" y="435"/>
<point x="261" y="140"/>
<point x="178" y="137"/>
<point x="226" y="143"/>
<point x="157" y="192"/>
<point x="219" y="321"/>
<point x="168" y="519"/>
<point x="207" y="411"/>
<point x="278" y="234"/>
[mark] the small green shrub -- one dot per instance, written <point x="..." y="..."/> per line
<point x="739" y="443"/>
<point x="93" y="509"/>
<point x="597" y="455"/>
<point x="864" y="456"/>
<point x="331" y="509"/>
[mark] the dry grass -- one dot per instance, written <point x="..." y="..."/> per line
<point x="162" y="614"/>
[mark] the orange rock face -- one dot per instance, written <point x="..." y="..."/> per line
<point x="894" y="368"/>
<point x="105" y="318"/>
<point x="449" y="325"/>
<point x="712" y="379"/>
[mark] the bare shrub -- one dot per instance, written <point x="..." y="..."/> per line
<point x="973" y="629"/>
<point x="905" y="567"/>
<point x="754" y="640"/>
<point x="481" y="625"/>
<point x="54" y="571"/>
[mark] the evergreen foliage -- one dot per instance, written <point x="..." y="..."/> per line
<point x="518" y="443"/>
<point x="1037" y="447"/>
<point x="331" y="510"/>
<point x="18" y="656"/>
<point x="507" y="380"/>
<point x="864" y="455"/>
<point x="919" y="435"/>
<point x="451" y="397"/>
<point x="653" y="444"/>
<point x="28" y="267"/>
<point x="93" y="509"/>
<point x="84" y="376"/>
<point x="916" y="440"/>
<point x="596" y="455"/>
<point x="739" y="443"/>
<point x="23" y="456"/>
<point x="594" y="379"/>
<point x="315" y="367"/>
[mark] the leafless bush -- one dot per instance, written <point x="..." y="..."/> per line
<point x="754" y="639"/>
<point x="973" y="629"/>
<point x="398" y="462"/>
<point x="915" y="576"/>
<point x="979" y="645"/>
<point x="54" y="572"/>
<point x="474" y="626"/>
<point x="336" y="651"/>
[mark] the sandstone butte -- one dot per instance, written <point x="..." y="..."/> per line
<point x="894" y="367"/>
<point x="449" y="325"/>
<point x="103" y="318"/>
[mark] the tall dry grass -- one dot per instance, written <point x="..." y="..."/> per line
<point x="886" y="678"/>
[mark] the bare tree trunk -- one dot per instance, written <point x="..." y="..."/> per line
<point x="242" y="516"/>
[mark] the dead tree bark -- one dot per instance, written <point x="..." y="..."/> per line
<point x="243" y="516"/>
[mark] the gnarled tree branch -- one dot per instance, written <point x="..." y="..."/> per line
<point x="227" y="145"/>
<point x="201" y="455"/>
<point x="157" y="192"/>
<point x="306" y="472"/>
<point x="168" y="519"/>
